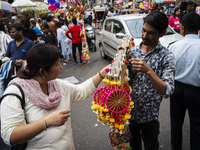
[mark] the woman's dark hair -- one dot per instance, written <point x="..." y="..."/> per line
<point x="191" y="22"/>
<point x="45" y="25"/>
<point x="175" y="10"/>
<point x="25" y="22"/>
<point x="39" y="56"/>
<point x="17" y="26"/>
<point x="158" y="20"/>
<point x="74" y="20"/>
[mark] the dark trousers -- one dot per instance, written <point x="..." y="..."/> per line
<point x="185" y="97"/>
<point x="79" y="46"/>
<point x="148" y="132"/>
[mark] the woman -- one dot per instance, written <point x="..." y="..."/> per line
<point x="49" y="37"/>
<point x="48" y="102"/>
<point x="63" y="42"/>
<point x="174" y="20"/>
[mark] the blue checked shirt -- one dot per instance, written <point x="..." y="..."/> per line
<point x="147" y="100"/>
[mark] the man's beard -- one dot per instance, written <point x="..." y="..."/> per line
<point x="146" y="41"/>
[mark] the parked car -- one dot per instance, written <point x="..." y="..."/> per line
<point x="114" y="28"/>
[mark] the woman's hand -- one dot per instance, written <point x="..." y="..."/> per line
<point x="104" y="72"/>
<point x="57" y="118"/>
<point x="99" y="77"/>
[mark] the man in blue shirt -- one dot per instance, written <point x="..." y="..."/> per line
<point x="18" y="48"/>
<point x="151" y="71"/>
<point x="187" y="83"/>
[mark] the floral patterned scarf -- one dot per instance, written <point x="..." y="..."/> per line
<point x="33" y="92"/>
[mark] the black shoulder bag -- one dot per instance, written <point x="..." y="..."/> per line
<point x="22" y="100"/>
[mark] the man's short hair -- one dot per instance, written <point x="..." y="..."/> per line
<point x="191" y="22"/>
<point x="74" y="20"/>
<point x="190" y="3"/>
<point x="49" y="18"/>
<point x="17" y="26"/>
<point x="2" y="27"/>
<point x="57" y="24"/>
<point x="157" y="20"/>
<point x="25" y="22"/>
<point x="33" y="22"/>
<point x="44" y="17"/>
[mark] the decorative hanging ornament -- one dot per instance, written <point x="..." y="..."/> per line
<point x="64" y="1"/>
<point x="52" y="7"/>
<point x="112" y="102"/>
<point x="51" y="1"/>
<point x="57" y="4"/>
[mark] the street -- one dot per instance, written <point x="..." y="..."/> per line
<point x="88" y="133"/>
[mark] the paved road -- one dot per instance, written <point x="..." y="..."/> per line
<point x="90" y="134"/>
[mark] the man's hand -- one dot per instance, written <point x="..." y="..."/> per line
<point x="140" y="65"/>
<point x="18" y="63"/>
<point x="127" y="50"/>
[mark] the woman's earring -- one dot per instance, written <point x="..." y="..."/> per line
<point x="43" y="77"/>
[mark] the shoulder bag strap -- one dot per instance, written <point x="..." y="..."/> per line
<point x="22" y="99"/>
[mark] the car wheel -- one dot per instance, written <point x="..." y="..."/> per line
<point x="102" y="52"/>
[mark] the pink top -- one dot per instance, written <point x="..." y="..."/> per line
<point x="174" y="22"/>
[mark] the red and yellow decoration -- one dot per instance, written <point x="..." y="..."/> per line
<point x="112" y="102"/>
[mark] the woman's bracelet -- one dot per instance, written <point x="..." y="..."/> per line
<point x="100" y="75"/>
<point x="45" y="124"/>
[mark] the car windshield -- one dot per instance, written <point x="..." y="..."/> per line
<point x="135" y="27"/>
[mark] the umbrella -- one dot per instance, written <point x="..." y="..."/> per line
<point x="130" y="3"/>
<point x="4" y="6"/>
<point x="61" y="11"/>
<point x="118" y="2"/>
<point x="23" y="3"/>
<point x="41" y="8"/>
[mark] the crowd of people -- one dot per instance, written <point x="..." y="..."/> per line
<point x="154" y="70"/>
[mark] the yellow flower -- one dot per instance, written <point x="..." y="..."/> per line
<point x="121" y="126"/>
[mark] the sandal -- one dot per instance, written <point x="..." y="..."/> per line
<point x="66" y="60"/>
<point x="82" y="63"/>
<point x="75" y="62"/>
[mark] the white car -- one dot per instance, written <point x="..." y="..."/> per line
<point x="114" y="28"/>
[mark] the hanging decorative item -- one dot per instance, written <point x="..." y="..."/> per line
<point x="84" y="44"/>
<point x="112" y="102"/>
<point x="76" y="9"/>
<point x="52" y="7"/>
<point x="57" y="4"/>
<point x="51" y="1"/>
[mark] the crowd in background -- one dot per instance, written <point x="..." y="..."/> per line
<point x="65" y="34"/>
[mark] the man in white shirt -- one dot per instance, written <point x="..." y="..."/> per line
<point x="4" y="40"/>
<point x="187" y="83"/>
